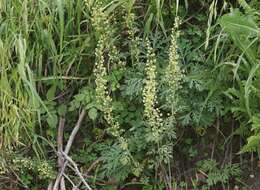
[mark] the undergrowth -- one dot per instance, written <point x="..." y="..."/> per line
<point x="170" y="90"/>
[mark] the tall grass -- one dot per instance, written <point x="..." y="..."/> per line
<point x="18" y="104"/>
<point x="39" y="41"/>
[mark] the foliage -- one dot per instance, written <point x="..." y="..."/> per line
<point x="244" y="32"/>
<point x="156" y="78"/>
<point x="218" y="175"/>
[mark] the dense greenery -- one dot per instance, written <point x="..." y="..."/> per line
<point x="129" y="94"/>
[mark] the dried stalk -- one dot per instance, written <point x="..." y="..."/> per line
<point x="68" y="147"/>
<point x="77" y="170"/>
<point x="60" y="149"/>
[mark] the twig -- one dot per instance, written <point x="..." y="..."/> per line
<point x="50" y="186"/>
<point x="89" y="169"/>
<point x="62" y="183"/>
<point x="58" y="178"/>
<point x="60" y="135"/>
<point x="68" y="146"/>
<point x="70" y="180"/>
<point x="77" y="170"/>
<point x="215" y="139"/>
<point x="60" y="149"/>
<point x="74" y="132"/>
<point x="93" y="165"/>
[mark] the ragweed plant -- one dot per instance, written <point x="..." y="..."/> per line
<point x="131" y="30"/>
<point x="105" y="102"/>
<point x="173" y="73"/>
<point x="134" y="40"/>
<point x="100" y="22"/>
<point x="159" y="130"/>
<point x="99" y="19"/>
<point x="152" y="115"/>
<point x="42" y="168"/>
<point x="102" y="93"/>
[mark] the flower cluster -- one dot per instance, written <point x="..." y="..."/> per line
<point x="115" y="59"/>
<point x="100" y="72"/>
<point x="134" y="41"/>
<point x="173" y="74"/>
<point x="105" y="101"/>
<point x="20" y="163"/>
<point x="129" y="18"/>
<point x="89" y="3"/>
<point x="99" y="20"/>
<point x="151" y="113"/>
<point x="125" y="158"/>
<point x="43" y="168"/>
<point x="135" y="50"/>
<point x="2" y="169"/>
<point x="102" y="94"/>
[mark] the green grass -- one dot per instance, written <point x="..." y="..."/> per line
<point x="37" y="42"/>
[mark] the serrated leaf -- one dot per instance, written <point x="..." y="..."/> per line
<point x="80" y="97"/>
<point x="92" y="113"/>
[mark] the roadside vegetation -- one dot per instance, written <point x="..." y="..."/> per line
<point x="129" y="94"/>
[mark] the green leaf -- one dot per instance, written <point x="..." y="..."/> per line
<point x="51" y="93"/>
<point x="236" y="22"/>
<point x="92" y="113"/>
<point x="256" y="122"/>
<point x="253" y="143"/>
<point x="62" y="110"/>
<point x="52" y="120"/>
<point x="241" y="28"/>
<point x="80" y="97"/>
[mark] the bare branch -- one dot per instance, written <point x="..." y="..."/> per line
<point x="60" y="149"/>
<point x="89" y="169"/>
<point x="68" y="147"/>
<point x="77" y="170"/>
<point x="75" y="131"/>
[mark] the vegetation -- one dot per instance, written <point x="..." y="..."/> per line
<point x="129" y="94"/>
